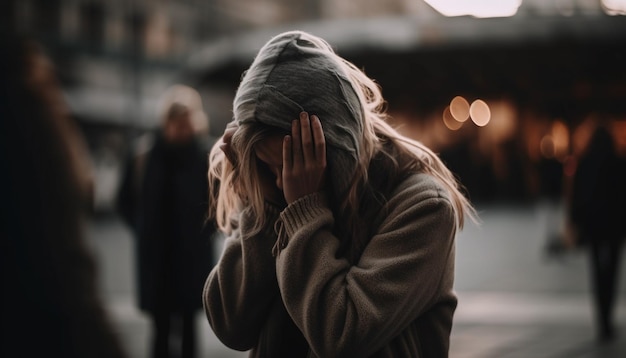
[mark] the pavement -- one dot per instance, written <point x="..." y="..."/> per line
<point x="515" y="300"/>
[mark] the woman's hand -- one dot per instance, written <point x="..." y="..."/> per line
<point x="304" y="158"/>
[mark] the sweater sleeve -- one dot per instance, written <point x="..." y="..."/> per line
<point x="240" y="289"/>
<point x="354" y="310"/>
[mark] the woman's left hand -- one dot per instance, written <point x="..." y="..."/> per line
<point x="304" y="158"/>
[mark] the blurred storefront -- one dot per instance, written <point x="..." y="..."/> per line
<point x="508" y="99"/>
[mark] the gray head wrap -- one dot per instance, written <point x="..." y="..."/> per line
<point x="297" y="72"/>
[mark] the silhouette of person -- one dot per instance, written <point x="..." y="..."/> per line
<point x="163" y="198"/>
<point x="597" y="211"/>
<point x="50" y="304"/>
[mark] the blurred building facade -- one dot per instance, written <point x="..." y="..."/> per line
<point x="541" y="78"/>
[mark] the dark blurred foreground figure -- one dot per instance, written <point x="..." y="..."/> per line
<point x="49" y="306"/>
<point x="342" y="231"/>
<point x="163" y="198"/>
<point x="598" y="212"/>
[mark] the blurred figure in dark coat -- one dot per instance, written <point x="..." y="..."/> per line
<point x="598" y="213"/>
<point x="163" y="198"/>
<point x="50" y="305"/>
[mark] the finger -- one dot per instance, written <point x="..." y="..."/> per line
<point x="287" y="154"/>
<point x="308" y="153"/>
<point x="319" y="140"/>
<point x="296" y="144"/>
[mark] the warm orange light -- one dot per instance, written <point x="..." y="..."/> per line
<point x="582" y="135"/>
<point x="547" y="146"/>
<point x="503" y="123"/>
<point x="459" y="108"/>
<point x="449" y="120"/>
<point x="560" y="135"/>
<point x="619" y="134"/>
<point x="480" y="113"/>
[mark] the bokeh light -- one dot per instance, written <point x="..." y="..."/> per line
<point x="503" y="124"/>
<point x="449" y="120"/>
<point x="459" y="108"/>
<point x="547" y="147"/>
<point x="480" y="113"/>
<point x="560" y="135"/>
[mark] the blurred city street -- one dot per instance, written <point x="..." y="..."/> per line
<point x="514" y="299"/>
<point x="510" y="95"/>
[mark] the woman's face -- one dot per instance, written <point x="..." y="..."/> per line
<point x="269" y="152"/>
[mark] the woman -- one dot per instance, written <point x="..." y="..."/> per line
<point x="163" y="200"/>
<point x="50" y="303"/>
<point x="341" y="231"/>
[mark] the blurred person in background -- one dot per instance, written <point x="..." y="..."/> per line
<point x="163" y="198"/>
<point x="598" y="212"/>
<point x="50" y="304"/>
<point x="341" y="231"/>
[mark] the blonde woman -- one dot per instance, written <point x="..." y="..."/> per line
<point x="341" y="231"/>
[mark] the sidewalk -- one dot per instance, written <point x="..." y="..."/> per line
<point x="513" y="300"/>
<point x="517" y="302"/>
<point x="508" y="325"/>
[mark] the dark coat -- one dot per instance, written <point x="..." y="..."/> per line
<point x="164" y="199"/>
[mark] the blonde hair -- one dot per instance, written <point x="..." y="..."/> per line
<point x="236" y="188"/>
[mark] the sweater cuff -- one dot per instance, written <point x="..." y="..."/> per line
<point x="303" y="211"/>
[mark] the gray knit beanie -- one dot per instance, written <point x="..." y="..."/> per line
<point x="296" y="72"/>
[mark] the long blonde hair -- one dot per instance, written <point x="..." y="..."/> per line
<point x="235" y="188"/>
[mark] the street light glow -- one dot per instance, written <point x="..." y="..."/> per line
<point x="459" y="108"/>
<point x="614" y="7"/>
<point x="449" y="121"/>
<point x="480" y="113"/>
<point x="477" y="8"/>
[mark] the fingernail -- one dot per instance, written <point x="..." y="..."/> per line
<point x="303" y="115"/>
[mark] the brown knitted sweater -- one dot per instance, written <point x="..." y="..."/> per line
<point x="396" y="301"/>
